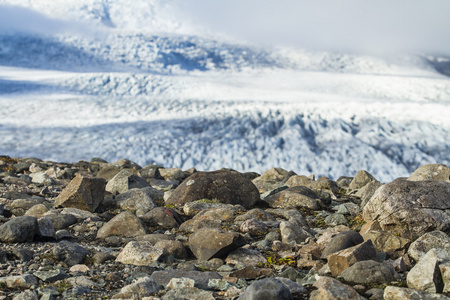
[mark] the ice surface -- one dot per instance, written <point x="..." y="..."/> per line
<point x="165" y="94"/>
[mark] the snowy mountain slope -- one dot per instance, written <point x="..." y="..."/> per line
<point x="154" y="90"/>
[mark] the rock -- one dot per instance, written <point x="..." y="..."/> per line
<point x="344" y="259"/>
<point x="20" y="206"/>
<point x="23" y="254"/>
<point x="219" y="284"/>
<point x="246" y="257"/>
<point x="292" y="233"/>
<point x="387" y="242"/>
<point x="177" y="283"/>
<point x="251" y="272"/>
<point x="138" y="201"/>
<point x="332" y="289"/>
<point x="154" y="238"/>
<point x="201" y="278"/>
<point x="327" y="185"/>
<point x="69" y="253"/>
<point x="271" y="179"/>
<point x="125" y="224"/>
<point x="367" y="191"/>
<point x="410" y="208"/>
<point x="341" y="241"/>
<point x="78" y="269"/>
<point x="124" y="181"/>
<point x="188" y="293"/>
<point x="225" y="186"/>
<point x="294" y="198"/>
<point x="25" y="281"/>
<point x="193" y="225"/>
<point x="428" y="241"/>
<point x="207" y="243"/>
<point x="61" y="221"/>
<point x="150" y="171"/>
<point x="193" y="208"/>
<point x="298" y="180"/>
<point x="437" y="172"/>
<point x="80" y="214"/>
<point x="36" y="211"/>
<point x="143" y="287"/>
<point x="108" y="172"/>
<point x="369" y="272"/>
<point x="42" y="178"/>
<point x="26" y="295"/>
<point x="174" y="248"/>
<point x="83" y="192"/>
<point x="255" y="213"/>
<point x="172" y="174"/>
<point x="425" y="275"/>
<point x="51" y="275"/>
<point x="19" y="230"/>
<point x="139" y="254"/>
<point x="444" y="268"/>
<point x="267" y="289"/>
<point x="254" y="226"/>
<point x="45" y="229"/>
<point x="226" y="213"/>
<point x="336" y="219"/>
<point x="163" y="217"/>
<point x="295" y="288"/>
<point x="361" y="179"/>
<point x="398" y="293"/>
<point x="292" y="215"/>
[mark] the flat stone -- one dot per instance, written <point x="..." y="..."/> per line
<point x="51" y="275"/>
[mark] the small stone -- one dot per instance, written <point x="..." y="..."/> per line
<point x="176" y="283"/>
<point x="139" y="254"/>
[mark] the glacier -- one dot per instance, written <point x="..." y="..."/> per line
<point x="161" y="92"/>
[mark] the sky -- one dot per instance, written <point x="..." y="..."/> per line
<point x="381" y="26"/>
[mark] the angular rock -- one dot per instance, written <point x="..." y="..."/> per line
<point x="27" y="295"/>
<point x="292" y="233"/>
<point x="225" y="186"/>
<point x="83" y="192"/>
<point x="367" y="191"/>
<point x="164" y="217"/>
<point x="208" y="243"/>
<point x="188" y="293"/>
<point x="267" y="289"/>
<point x="246" y="257"/>
<point x="410" y="208"/>
<point x="332" y="289"/>
<point x="444" y="268"/>
<point x="69" y="253"/>
<point x="139" y="254"/>
<point x="172" y="174"/>
<point x="42" y="178"/>
<point x="271" y="179"/>
<point x="336" y="219"/>
<point x="138" y="201"/>
<point x="201" y="278"/>
<point x="392" y="244"/>
<point x="253" y="226"/>
<point x="398" y="293"/>
<point x="193" y="208"/>
<point x="45" y="229"/>
<point x="361" y="179"/>
<point x="61" y="221"/>
<point x="19" y="230"/>
<point x="437" y="172"/>
<point x="425" y="275"/>
<point x="125" y="224"/>
<point x="341" y="241"/>
<point x="339" y="261"/>
<point x="51" y="275"/>
<point x="428" y="241"/>
<point x="124" y="181"/>
<point x="369" y="272"/>
<point x="143" y="287"/>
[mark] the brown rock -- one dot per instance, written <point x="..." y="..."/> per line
<point x="343" y="259"/>
<point x="125" y="224"/>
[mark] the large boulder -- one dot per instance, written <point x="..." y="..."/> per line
<point x="83" y="192"/>
<point x="224" y="185"/>
<point x="410" y="208"/>
<point x="19" y="230"/>
<point x="438" y="172"/>
<point x="208" y="243"/>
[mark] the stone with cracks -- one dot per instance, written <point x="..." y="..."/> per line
<point x="208" y="243"/>
<point x="225" y="186"/>
<point x="83" y="192"/>
<point x="410" y="208"/>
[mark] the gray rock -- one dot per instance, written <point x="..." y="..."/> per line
<point x="137" y="200"/>
<point x="172" y="174"/>
<point x="272" y="179"/>
<point x="19" y="230"/>
<point x="295" y="288"/>
<point x="125" y="224"/>
<point x="19" y="206"/>
<point x="42" y="178"/>
<point x="51" y="275"/>
<point x="336" y="219"/>
<point x="428" y="241"/>
<point x="143" y="287"/>
<point x="341" y="241"/>
<point x="267" y="289"/>
<point x="107" y="172"/>
<point x="124" y="181"/>
<point x="69" y="253"/>
<point x="193" y="225"/>
<point x="174" y="248"/>
<point x="425" y="275"/>
<point x="369" y="271"/>
<point x="45" y="229"/>
<point x="292" y="233"/>
<point x="438" y="172"/>
<point x="80" y="214"/>
<point x="246" y="257"/>
<point x="83" y="192"/>
<point x="444" y="268"/>
<point x="201" y="278"/>
<point x="225" y="186"/>
<point x="188" y="293"/>
<point x="61" y="221"/>
<point x="253" y="226"/>
<point x="398" y="293"/>
<point x="163" y="217"/>
<point x="23" y="254"/>
<point x="208" y="243"/>
<point x="294" y="198"/>
<point x="332" y="289"/>
<point x="25" y="281"/>
<point x="410" y="208"/>
<point x="367" y="191"/>
<point x="26" y="295"/>
<point x="37" y="210"/>
<point x="139" y="254"/>
<point x="361" y="178"/>
<point x="255" y="213"/>
<point x="193" y="208"/>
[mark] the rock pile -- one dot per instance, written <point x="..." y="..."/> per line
<point x="99" y="230"/>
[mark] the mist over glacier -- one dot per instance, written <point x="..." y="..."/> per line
<point x="167" y="82"/>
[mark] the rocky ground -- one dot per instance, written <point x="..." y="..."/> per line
<point x="98" y="230"/>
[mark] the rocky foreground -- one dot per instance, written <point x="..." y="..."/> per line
<point x="98" y="230"/>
